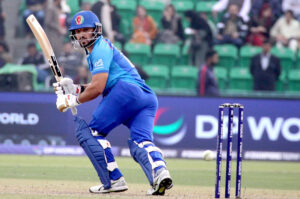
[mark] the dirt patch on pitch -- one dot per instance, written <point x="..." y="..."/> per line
<point x="31" y="189"/>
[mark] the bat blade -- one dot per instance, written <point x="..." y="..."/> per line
<point x="47" y="49"/>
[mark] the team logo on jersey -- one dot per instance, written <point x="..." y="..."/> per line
<point x="79" y="20"/>
<point x="98" y="64"/>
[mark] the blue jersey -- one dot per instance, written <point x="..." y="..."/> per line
<point x="105" y="58"/>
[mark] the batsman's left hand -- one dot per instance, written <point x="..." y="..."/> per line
<point x="64" y="102"/>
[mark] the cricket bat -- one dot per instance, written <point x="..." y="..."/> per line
<point x="43" y="40"/>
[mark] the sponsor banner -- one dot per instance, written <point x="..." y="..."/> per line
<point x="46" y="150"/>
<point x="269" y="125"/>
<point x="181" y="124"/>
<point x="124" y="152"/>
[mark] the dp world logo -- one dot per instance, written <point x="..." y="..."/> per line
<point x="169" y="134"/>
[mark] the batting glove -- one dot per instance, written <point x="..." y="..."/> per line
<point x="64" y="102"/>
<point x="67" y="86"/>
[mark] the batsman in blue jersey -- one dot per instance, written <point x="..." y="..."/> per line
<point x="126" y="100"/>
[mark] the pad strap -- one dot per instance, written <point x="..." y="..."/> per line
<point x="148" y="156"/>
<point x="112" y="165"/>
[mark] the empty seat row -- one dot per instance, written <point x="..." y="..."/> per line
<point x="184" y="77"/>
<point x="163" y="54"/>
<point x="239" y="78"/>
<point x="180" y="77"/>
<point x="230" y="56"/>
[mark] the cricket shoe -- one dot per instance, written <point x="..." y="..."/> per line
<point x="162" y="181"/>
<point x="116" y="186"/>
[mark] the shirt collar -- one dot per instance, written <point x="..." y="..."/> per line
<point x="99" y="39"/>
<point x="266" y="55"/>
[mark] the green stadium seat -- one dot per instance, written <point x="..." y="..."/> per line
<point x="126" y="9"/>
<point x="6" y="68"/>
<point x="294" y="80"/>
<point x="154" y="9"/>
<point x="246" y="53"/>
<point x="13" y="68"/>
<point x="182" y="5"/>
<point x="222" y="76"/>
<point x="298" y="60"/>
<point x="184" y="65"/>
<point x="22" y="7"/>
<point x="185" y="55"/>
<point x="240" y="79"/>
<point x="126" y="28"/>
<point x="281" y="83"/>
<point x="166" y="54"/>
<point x="138" y="53"/>
<point x="228" y="55"/>
<point x="89" y="1"/>
<point x="184" y="78"/>
<point x="193" y="1"/>
<point x="206" y="7"/>
<point x="158" y="76"/>
<point x="286" y="56"/>
<point x="74" y="6"/>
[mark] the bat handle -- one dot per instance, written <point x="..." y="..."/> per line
<point x="74" y="111"/>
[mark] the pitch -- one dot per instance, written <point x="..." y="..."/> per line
<point x="53" y="177"/>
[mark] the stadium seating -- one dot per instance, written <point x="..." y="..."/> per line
<point x="294" y="80"/>
<point x="240" y="79"/>
<point x="193" y="1"/>
<point x="166" y="54"/>
<point x="138" y="53"/>
<point x="206" y="7"/>
<point x="185" y="56"/>
<point x="232" y="71"/>
<point x="246" y="53"/>
<point x="154" y="8"/>
<point x="286" y="56"/>
<point x="126" y="28"/>
<point x="222" y="76"/>
<point x="12" y="68"/>
<point x="158" y="76"/>
<point x="281" y="83"/>
<point x="90" y="1"/>
<point x="74" y="6"/>
<point x="126" y="9"/>
<point x="184" y="78"/>
<point x="298" y="60"/>
<point x="181" y="6"/>
<point x="228" y="55"/>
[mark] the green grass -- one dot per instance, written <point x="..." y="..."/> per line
<point x="265" y="175"/>
<point x="191" y="173"/>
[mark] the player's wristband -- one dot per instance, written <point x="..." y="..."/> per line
<point x="79" y="89"/>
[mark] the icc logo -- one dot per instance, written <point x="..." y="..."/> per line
<point x="171" y="133"/>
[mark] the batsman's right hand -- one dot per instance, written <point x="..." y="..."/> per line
<point x="64" y="102"/>
<point x="67" y="86"/>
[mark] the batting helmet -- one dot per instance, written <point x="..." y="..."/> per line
<point x="86" y="19"/>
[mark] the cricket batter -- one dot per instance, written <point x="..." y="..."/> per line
<point x="126" y="100"/>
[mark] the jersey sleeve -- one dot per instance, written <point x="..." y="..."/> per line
<point x="101" y="59"/>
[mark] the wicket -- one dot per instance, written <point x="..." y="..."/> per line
<point x="229" y="150"/>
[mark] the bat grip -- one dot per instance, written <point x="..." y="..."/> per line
<point x="74" y="111"/>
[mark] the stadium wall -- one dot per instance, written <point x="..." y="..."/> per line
<point x="184" y="126"/>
